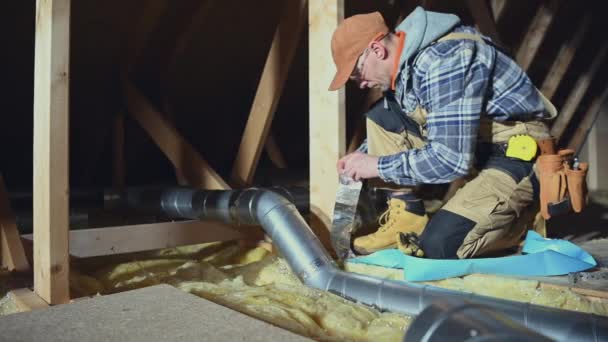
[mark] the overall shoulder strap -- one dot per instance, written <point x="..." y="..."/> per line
<point x="461" y="35"/>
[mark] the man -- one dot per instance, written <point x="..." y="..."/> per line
<point x="453" y="103"/>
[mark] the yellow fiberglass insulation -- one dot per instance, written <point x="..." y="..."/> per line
<point x="261" y="284"/>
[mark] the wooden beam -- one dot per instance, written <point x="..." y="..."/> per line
<point x="274" y="152"/>
<point x="536" y="33"/>
<point x="282" y="51"/>
<point x="564" y="58"/>
<point x="143" y="237"/>
<point x="187" y="31"/>
<point x="51" y="132"/>
<point x="597" y="107"/>
<point x="199" y="16"/>
<point x="150" y="15"/>
<point x="12" y="254"/>
<point x="498" y="8"/>
<point x="483" y="18"/>
<point x="576" y="96"/>
<point x="327" y="112"/>
<point x="182" y="155"/>
<point x="27" y="300"/>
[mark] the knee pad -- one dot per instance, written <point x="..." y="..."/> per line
<point x="444" y="235"/>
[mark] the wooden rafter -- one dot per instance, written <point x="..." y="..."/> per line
<point x="564" y="58"/>
<point x="536" y="33"/>
<point x="269" y="90"/>
<point x="181" y="154"/>
<point x="327" y="112"/>
<point x="576" y="96"/>
<point x="12" y="254"/>
<point x="274" y="152"/>
<point x="184" y="157"/>
<point x="483" y="18"/>
<point x="180" y="42"/>
<point x="598" y="106"/>
<point x="51" y="132"/>
<point x="498" y="8"/>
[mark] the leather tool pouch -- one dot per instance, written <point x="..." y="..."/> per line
<point x="563" y="185"/>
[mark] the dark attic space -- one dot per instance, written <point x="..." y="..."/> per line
<point x="394" y="170"/>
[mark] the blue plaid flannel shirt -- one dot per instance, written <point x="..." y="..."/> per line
<point x="450" y="80"/>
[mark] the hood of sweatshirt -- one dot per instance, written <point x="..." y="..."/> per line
<point x="421" y="28"/>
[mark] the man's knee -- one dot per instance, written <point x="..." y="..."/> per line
<point x="444" y="235"/>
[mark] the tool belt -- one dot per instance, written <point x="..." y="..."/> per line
<point x="562" y="181"/>
<point x="561" y="177"/>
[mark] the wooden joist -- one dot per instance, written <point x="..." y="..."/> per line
<point x="144" y="237"/>
<point x="564" y="58"/>
<point x="280" y="56"/>
<point x="51" y="132"/>
<point x="182" y="155"/>
<point x="12" y="254"/>
<point x="327" y="112"/>
<point x="536" y="33"/>
<point x="576" y="96"/>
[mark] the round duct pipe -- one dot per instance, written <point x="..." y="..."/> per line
<point x="312" y="264"/>
<point x="466" y="322"/>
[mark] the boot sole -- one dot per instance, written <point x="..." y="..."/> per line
<point x="361" y="250"/>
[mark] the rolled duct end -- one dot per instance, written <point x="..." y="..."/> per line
<point x="462" y="321"/>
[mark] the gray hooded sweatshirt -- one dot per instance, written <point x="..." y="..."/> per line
<point x="422" y="28"/>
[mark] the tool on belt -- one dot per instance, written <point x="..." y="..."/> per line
<point x="343" y="223"/>
<point x="561" y="175"/>
<point x="562" y="181"/>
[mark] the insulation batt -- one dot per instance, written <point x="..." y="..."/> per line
<point x="261" y="284"/>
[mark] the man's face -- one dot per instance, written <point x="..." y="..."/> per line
<point x="369" y="70"/>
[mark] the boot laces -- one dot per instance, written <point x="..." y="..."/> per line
<point x="387" y="218"/>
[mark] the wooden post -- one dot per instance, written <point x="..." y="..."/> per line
<point x="282" y="51"/>
<point x="536" y="33"/>
<point x="564" y="58"/>
<point x="51" y="128"/>
<point x="576" y="96"/>
<point x="12" y="255"/>
<point x="327" y="112"/>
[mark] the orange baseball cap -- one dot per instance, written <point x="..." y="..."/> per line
<point x="350" y="40"/>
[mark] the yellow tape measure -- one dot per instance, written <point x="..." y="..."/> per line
<point x="521" y="147"/>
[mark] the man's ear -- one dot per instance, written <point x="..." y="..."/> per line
<point x="378" y="49"/>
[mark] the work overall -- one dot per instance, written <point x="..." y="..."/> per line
<point x="487" y="214"/>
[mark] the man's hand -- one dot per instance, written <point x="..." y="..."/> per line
<point x="358" y="165"/>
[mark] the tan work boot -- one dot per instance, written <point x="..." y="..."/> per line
<point x="393" y="221"/>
